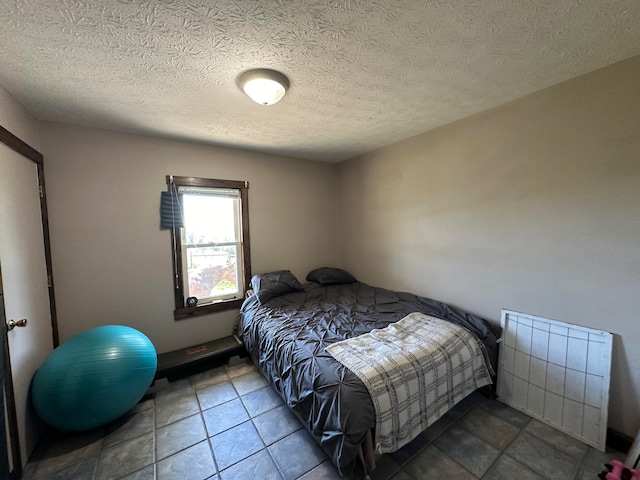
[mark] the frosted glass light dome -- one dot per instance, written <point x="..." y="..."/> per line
<point x="264" y="86"/>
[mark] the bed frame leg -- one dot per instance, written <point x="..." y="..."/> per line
<point x="367" y="455"/>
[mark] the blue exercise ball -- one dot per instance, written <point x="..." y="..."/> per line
<point x="94" y="377"/>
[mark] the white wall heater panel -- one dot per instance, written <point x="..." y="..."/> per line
<point x="557" y="373"/>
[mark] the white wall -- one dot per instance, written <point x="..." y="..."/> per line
<point x="112" y="263"/>
<point x="533" y="206"/>
<point x="18" y="121"/>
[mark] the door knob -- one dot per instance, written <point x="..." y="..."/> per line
<point x="11" y="324"/>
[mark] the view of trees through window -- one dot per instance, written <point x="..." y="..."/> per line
<point x="212" y="244"/>
<point x="212" y="271"/>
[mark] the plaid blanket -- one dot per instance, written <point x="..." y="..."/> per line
<point x="415" y="370"/>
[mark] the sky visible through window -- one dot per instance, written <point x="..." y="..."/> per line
<point x="209" y="219"/>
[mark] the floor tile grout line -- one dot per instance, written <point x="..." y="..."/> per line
<point x="580" y="460"/>
<point x="502" y="452"/>
<point x="97" y="466"/>
<point x="155" y="443"/>
<point x="252" y="417"/>
<point x="213" y="456"/>
<point x="520" y="433"/>
<point x="583" y="455"/>
<point x="432" y="443"/>
<point x="581" y="464"/>
<point x="442" y="452"/>
<point x="454" y="421"/>
<point x="274" y="459"/>
<point x="239" y="397"/>
<point x="302" y="427"/>
<point x="206" y="432"/>
<point x="264" y="443"/>
<point x="275" y="463"/>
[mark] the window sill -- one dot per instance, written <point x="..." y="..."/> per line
<point x="188" y="312"/>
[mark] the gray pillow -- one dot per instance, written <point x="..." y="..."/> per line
<point x="273" y="284"/>
<point x="330" y="276"/>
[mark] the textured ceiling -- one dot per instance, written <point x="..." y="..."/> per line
<point x="364" y="73"/>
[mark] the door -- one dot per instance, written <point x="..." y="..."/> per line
<point x="25" y="287"/>
<point x="5" y="466"/>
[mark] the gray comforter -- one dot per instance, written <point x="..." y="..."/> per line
<point x="286" y="337"/>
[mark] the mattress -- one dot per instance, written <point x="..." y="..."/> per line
<point x="286" y="338"/>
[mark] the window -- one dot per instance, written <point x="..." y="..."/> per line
<point x="211" y="251"/>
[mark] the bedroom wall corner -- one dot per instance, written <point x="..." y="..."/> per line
<point x="17" y="120"/>
<point x="113" y="263"/>
<point x="531" y="206"/>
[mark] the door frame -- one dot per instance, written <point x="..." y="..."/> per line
<point x="6" y="391"/>
<point x="24" y="149"/>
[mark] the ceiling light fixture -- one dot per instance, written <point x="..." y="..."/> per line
<point x="264" y="86"/>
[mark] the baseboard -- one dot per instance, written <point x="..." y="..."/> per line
<point x="618" y="440"/>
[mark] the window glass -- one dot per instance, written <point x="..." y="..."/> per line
<point x="211" y="218"/>
<point x="212" y="250"/>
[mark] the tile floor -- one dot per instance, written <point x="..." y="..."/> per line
<point x="227" y="423"/>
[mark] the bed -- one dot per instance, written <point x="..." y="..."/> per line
<point x="287" y="326"/>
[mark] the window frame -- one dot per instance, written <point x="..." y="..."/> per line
<point x="181" y="310"/>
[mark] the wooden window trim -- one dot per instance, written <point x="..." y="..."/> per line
<point x="181" y="312"/>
